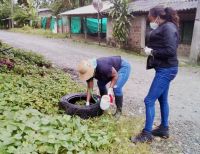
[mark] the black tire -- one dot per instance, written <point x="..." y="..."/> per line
<point x="68" y="104"/>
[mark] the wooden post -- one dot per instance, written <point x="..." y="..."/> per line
<point x="85" y="27"/>
<point x="70" y="27"/>
<point x="101" y="25"/>
<point x="195" y="47"/>
<point x="12" y="6"/>
<point x="98" y="28"/>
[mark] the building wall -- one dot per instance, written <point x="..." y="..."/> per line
<point x="138" y="30"/>
<point x="184" y="50"/>
<point x="137" y="33"/>
<point x="65" y="24"/>
<point x="136" y="38"/>
<point x="109" y="38"/>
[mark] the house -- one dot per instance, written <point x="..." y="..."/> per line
<point x="6" y="23"/>
<point x="139" y="8"/>
<point x="186" y="10"/>
<point x="45" y="12"/>
<point x="72" y="19"/>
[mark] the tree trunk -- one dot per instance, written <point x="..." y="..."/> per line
<point x="195" y="47"/>
<point x="81" y="3"/>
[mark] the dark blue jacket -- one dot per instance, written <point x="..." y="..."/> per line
<point x="164" y="41"/>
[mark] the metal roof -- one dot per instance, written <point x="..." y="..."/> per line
<point x="88" y="10"/>
<point x="146" y="5"/>
<point x="44" y="9"/>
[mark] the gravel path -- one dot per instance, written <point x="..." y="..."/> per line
<point x="184" y="93"/>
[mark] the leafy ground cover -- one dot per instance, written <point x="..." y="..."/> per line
<point x="36" y="31"/>
<point x="31" y="123"/>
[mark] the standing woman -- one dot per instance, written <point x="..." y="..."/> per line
<point x="162" y="56"/>
<point x="106" y="69"/>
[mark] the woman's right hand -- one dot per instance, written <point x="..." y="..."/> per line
<point x="90" y="85"/>
<point x="147" y="51"/>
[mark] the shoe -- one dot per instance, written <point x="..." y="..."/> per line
<point x="118" y="114"/>
<point x="161" y="131"/>
<point x="143" y="137"/>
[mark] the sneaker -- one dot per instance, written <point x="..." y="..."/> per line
<point x="143" y="137"/>
<point x="161" y="131"/>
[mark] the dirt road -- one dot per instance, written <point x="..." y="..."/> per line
<point x="184" y="93"/>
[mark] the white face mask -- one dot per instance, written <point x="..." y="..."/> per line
<point x="154" y="25"/>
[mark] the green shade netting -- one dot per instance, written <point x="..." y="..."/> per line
<point x="53" y="20"/>
<point x="44" y="22"/>
<point x="60" y="23"/>
<point x="92" y="25"/>
<point x="76" y="25"/>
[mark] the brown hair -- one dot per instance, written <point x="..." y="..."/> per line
<point x="168" y="14"/>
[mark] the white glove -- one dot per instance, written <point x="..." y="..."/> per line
<point x="148" y="51"/>
<point x="110" y="92"/>
<point x="87" y="103"/>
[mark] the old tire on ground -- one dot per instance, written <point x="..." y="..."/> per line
<point x="68" y="104"/>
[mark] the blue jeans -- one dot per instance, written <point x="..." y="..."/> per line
<point x="159" y="90"/>
<point x="123" y="75"/>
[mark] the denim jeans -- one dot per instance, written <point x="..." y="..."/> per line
<point x="123" y="75"/>
<point x="159" y="90"/>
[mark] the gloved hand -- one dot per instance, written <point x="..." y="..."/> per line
<point x="111" y="94"/>
<point x="87" y="103"/>
<point x="148" y="51"/>
<point x="110" y="91"/>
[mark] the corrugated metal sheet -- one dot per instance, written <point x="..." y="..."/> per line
<point x="44" y="9"/>
<point x="88" y="9"/>
<point x="146" y="5"/>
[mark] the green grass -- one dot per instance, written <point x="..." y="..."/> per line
<point x="124" y="129"/>
<point x="31" y="122"/>
<point x="42" y="32"/>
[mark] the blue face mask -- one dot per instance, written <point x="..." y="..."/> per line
<point x="154" y="25"/>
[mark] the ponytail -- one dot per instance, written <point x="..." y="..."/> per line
<point x="172" y="16"/>
<point x="167" y="14"/>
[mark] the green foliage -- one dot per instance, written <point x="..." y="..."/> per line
<point x="21" y="16"/>
<point x="121" y="18"/>
<point x="30" y="131"/>
<point x="22" y="2"/>
<point x="35" y="85"/>
<point x="5" y="9"/>
<point x="30" y="122"/>
<point x="24" y="11"/>
<point x="59" y="6"/>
